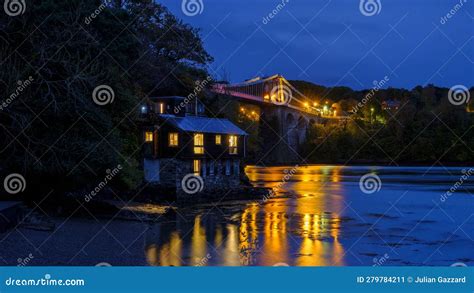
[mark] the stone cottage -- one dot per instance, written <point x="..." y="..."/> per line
<point x="187" y="153"/>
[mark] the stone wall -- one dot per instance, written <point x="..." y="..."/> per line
<point x="217" y="177"/>
<point x="215" y="184"/>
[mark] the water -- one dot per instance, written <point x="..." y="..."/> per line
<point x="319" y="216"/>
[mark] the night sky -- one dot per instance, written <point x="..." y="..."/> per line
<point x="330" y="42"/>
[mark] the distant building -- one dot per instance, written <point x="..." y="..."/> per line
<point x="390" y="105"/>
<point x="179" y="141"/>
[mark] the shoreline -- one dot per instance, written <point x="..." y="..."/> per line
<point x="369" y="164"/>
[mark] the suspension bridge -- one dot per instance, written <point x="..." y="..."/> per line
<point x="280" y="101"/>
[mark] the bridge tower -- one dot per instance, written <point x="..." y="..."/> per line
<point x="286" y="115"/>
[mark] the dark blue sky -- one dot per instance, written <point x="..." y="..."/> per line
<point x="330" y="42"/>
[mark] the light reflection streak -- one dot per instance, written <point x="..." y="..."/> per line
<point x="301" y="231"/>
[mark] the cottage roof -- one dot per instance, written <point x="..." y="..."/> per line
<point x="204" y="124"/>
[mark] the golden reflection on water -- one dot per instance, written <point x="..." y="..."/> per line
<point x="301" y="231"/>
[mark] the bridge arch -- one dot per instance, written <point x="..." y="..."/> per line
<point x="302" y="129"/>
<point x="291" y="127"/>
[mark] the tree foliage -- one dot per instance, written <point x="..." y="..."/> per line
<point x="51" y="128"/>
<point x="426" y="128"/>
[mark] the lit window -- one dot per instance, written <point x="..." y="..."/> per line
<point x="162" y="108"/>
<point x="149" y="136"/>
<point x="218" y="139"/>
<point x="173" y="139"/>
<point x="199" y="143"/>
<point x="233" y="147"/>
<point x="197" y="167"/>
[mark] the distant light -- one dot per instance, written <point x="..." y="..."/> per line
<point x="144" y="109"/>
<point x="306" y="105"/>
<point x="372" y="109"/>
<point x="315" y="104"/>
<point x="242" y="109"/>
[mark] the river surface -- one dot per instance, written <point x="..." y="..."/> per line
<point x="316" y="216"/>
<point x="321" y="216"/>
